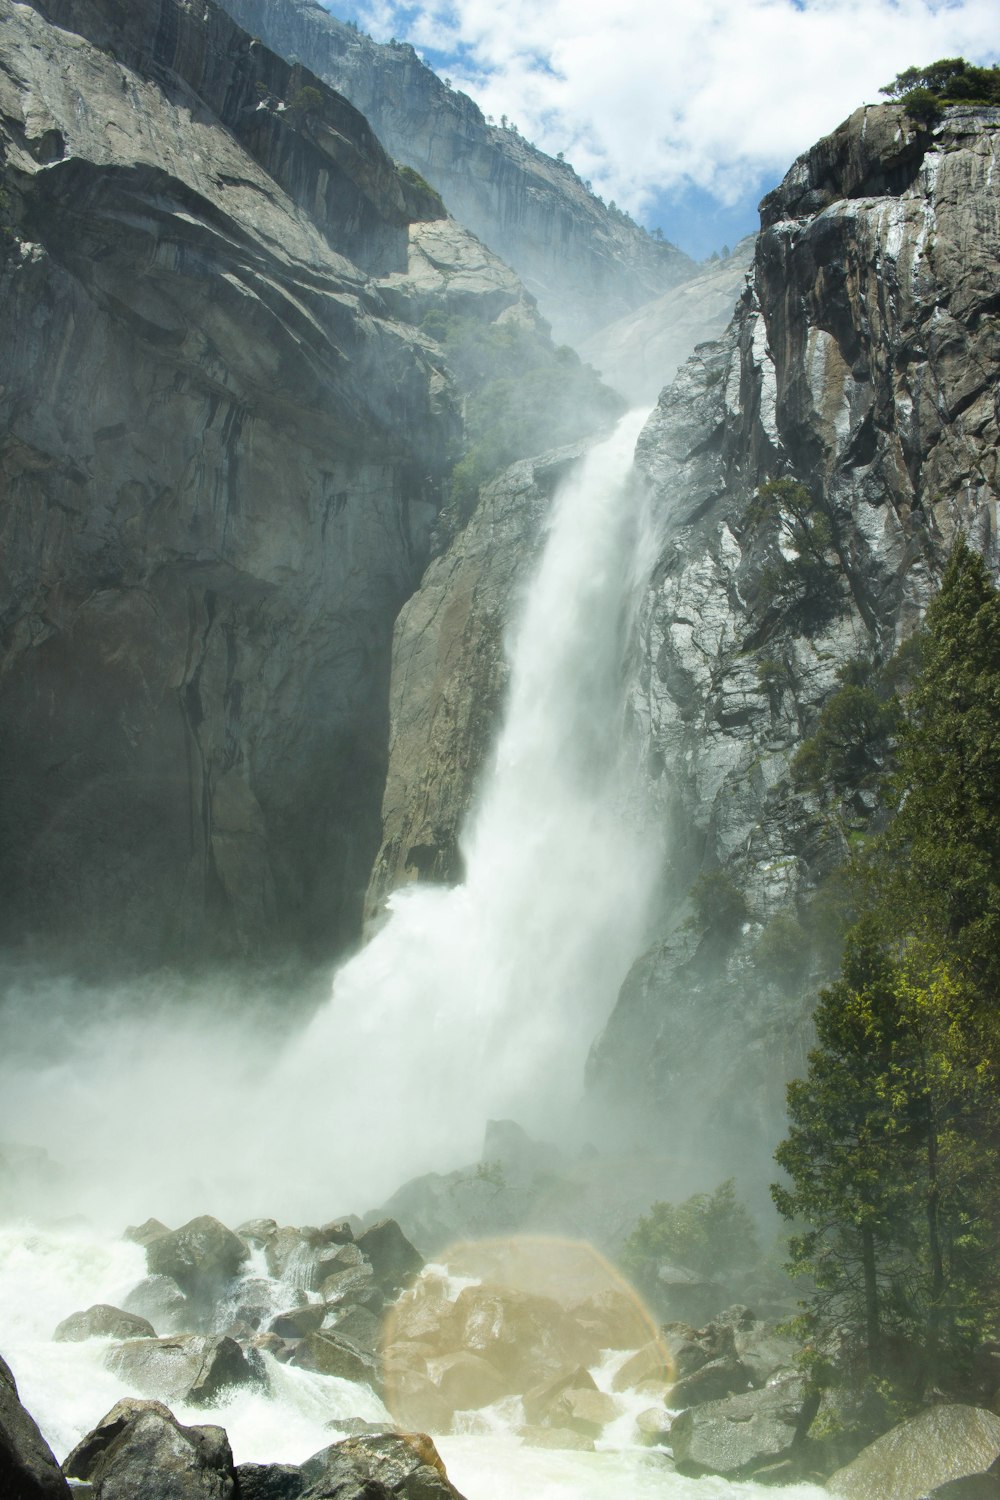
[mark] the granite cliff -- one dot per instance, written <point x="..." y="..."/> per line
<point x="587" y="264"/>
<point x="224" y="442"/>
<point x="861" y="364"/>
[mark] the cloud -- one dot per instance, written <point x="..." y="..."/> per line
<point x="649" y="100"/>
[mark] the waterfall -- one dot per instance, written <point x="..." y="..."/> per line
<point x="471" y="1003"/>
<point x="482" y="1000"/>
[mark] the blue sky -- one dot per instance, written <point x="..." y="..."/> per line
<point x="683" y="113"/>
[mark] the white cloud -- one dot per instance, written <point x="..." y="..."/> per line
<point x="648" y="98"/>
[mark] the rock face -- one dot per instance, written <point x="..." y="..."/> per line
<point x="141" y="1449"/>
<point x="448" y="675"/>
<point x="586" y="264"/>
<point x="221" y="453"/>
<point x="862" y="363"/>
<point x="28" y="1468"/>
<point x="942" y="1444"/>
<point x="640" y="353"/>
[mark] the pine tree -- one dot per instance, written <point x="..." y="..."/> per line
<point x="894" y="1139"/>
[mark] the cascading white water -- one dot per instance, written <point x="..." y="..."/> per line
<point x="483" y="999"/>
<point x="472" y="1002"/>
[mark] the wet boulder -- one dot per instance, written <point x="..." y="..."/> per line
<point x="188" y="1367"/>
<point x="742" y="1434"/>
<point x="144" y="1234"/>
<point x="161" y="1302"/>
<point x="541" y="1403"/>
<point x="269" y="1481"/>
<point x="293" y="1255"/>
<point x="712" y="1382"/>
<point x="357" y="1323"/>
<point x="614" y="1320"/>
<point x="140" y="1451"/>
<point x="527" y="1338"/>
<point x="203" y="1256"/>
<point x="296" y="1322"/>
<point x="415" y="1400"/>
<point x="327" y="1354"/>
<point x="28" y="1469"/>
<point x="941" y="1444"/>
<point x="764" y="1351"/>
<point x="403" y="1464"/>
<point x="352" y="1284"/>
<point x="103" y="1322"/>
<point x="650" y="1363"/>
<point x="394" y="1261"/>
<point x="466" y="1382"/>
<point x="973" y="1487"/>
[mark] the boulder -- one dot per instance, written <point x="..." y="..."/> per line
<point x="942" y="1443"/>
<point x="188" y="1367"/>
<point x="140" y="1451"/>
<point x="202" y="1257"/>
<point x="466" y="1382"/>
<point x="540" y="1403"/>
<point x="403" y="1464"/>
<point x="340" y="1231"/>
<point x="349" y="1285"/>
<point x="103" y="1322"/>
<point x="293" y="1255"/>
<point x="328" y="1354"/>
<point x="713" y="1381"/>
<point x="357" y="1323"/>
<point x="160" y="1300"/>
<point x="651" y="1362"/>
<point x="257" y="1232"/>
<point x="28" y="1469"/>
<point x="269" y="1481"/>
<point x="742" y="1434"/>
<point x="528" y="1339"/>
<point x="416" y="1402"/>
<point x="585" y="1411"/>
<point x="974" y="1487"/>
<point x="614" y="1320"/>
<point x="653" y="1425"/>
<point x="393" y="1259"/>
<point x="763" y="1351"/>
<point x="144" y="1234"/>
<point x="296" y="1322"/>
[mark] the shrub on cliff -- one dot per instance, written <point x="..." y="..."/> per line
<point x="923" y="92"/>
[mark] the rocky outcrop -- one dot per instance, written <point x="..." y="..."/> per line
<point x="449" y="672"/>
<point x="586" y="263"/>
<point x="222" y="446"/>
<point x="28" y="1468"/>
<point x="862" y="364"/>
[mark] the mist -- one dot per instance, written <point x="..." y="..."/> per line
<point x="170" y="1098"/>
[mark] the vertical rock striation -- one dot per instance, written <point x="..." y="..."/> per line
<point x="222" y="443"/>
<point x="863" y="363"/>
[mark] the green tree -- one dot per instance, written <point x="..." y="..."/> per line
<point x="936" y="872"/>
<point x="894" y="1139"/>
<point x="805" y="585"/>
<point x="711" y="1233"/>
